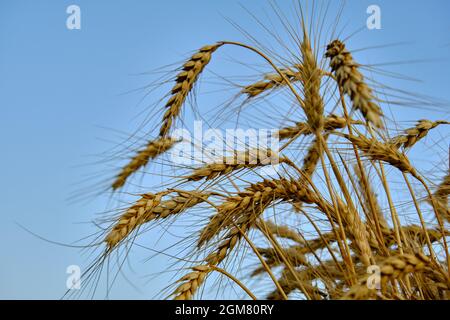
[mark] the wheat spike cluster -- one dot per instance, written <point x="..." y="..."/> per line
<point x="329" y="214"/>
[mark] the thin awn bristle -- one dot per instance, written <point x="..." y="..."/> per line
<point x="152" y="150"/>
<point x="352" y="82"/>
<point x="185" y="81"/>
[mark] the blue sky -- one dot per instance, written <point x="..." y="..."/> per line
<point x="59" y="88"/>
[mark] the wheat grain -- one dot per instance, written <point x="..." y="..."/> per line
<point x="281" y="231"/>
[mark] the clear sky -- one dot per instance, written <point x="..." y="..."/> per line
<point x="60" y="88"/>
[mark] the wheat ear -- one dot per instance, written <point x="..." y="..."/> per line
<point x="311" y="81"/>
<point x="331" y="123"/>
<point x="352" y="82"/>
<point x="281" y="231"/>
<point x="248" y="159"/>
<point x="386" y="152"/>
<point x="185" y="81"/>
<point x="392" y="268"/>
<point x="152" y="150"/>
<point x="414" y="134"/>
<point x="192" y="281"/>
<point x="256" y="197"/>
<point x="271" y="81"/>
<point x="441" y="197"/>
<point x="150" y="207"/>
